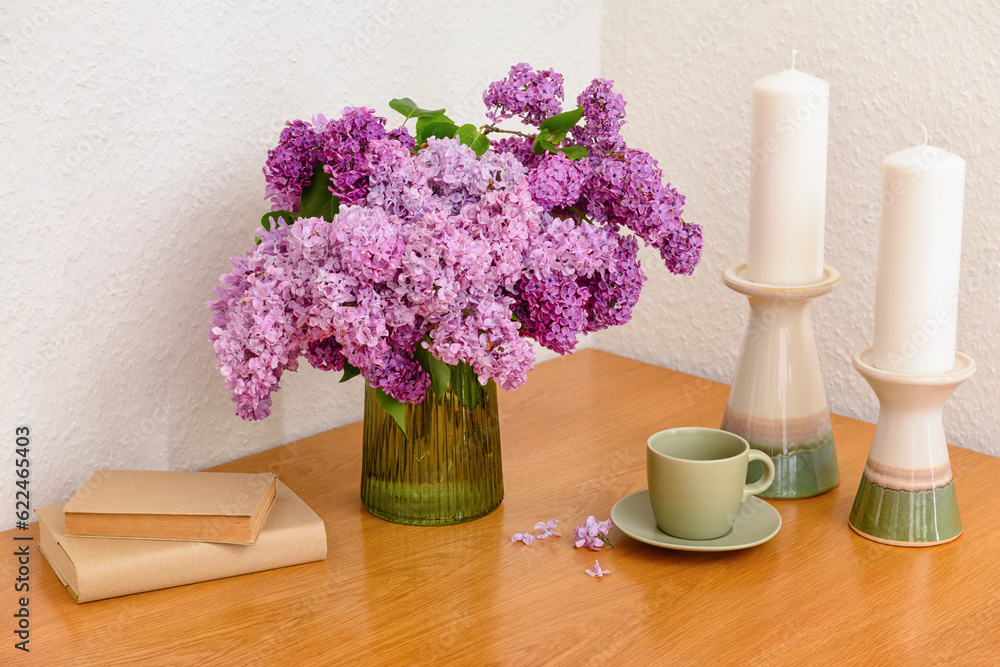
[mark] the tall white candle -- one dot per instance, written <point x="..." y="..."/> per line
<point x="788" y="136"/>
<point x="919" y="251"/>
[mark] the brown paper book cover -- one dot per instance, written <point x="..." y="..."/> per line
<point x="94" y="568"/>
<point x="227" y="507"/>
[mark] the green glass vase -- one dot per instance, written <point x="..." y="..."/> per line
<point x="447" y="470"/>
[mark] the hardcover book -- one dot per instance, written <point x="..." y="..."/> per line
<point x="224" y="507"/>
<point x="94" y="568"/>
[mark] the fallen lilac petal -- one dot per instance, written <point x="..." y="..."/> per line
<point x="593" y="534"/>
<point x="527" y="538"/>
<point x="596" y="571"/>
<point x="547" y="528"/>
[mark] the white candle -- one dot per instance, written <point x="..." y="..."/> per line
<point x="919" y="251"/>
<point x="788" y="134"/>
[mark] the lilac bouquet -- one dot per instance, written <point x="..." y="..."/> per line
<point x="408" y="256"/>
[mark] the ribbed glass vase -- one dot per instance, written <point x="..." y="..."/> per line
<point x="447" y="471"/>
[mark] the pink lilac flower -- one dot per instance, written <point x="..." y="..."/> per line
<point x="527" y="538"/>
<point x="456" y="177"/>
<point x="487" y="339"/>
<point x="596" y="571"/>
<point x="593" y="534"/>
<point x="395" y="185"/>
<point x="547" y="528"/>
<point x="452" y="172"/>
<point x="556" y="181"/>
<point x="532" y="96"/>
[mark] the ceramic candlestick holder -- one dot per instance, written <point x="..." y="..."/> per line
<point x="777" y="400"/>
<point x="907" y="496"/>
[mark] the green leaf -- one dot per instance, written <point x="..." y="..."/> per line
<point x="393" y="408"/>
<point x="465" y="385"/>
<point x="439" y="371"/>
<point x="542" y="143"/>
<point x="350" y="371"/>
<point x="563" y="121"/>
<point x="473" y="138"/>
<point x="575" y="152"/>
<point x="287" y="216"/>
<point x="443" y="129"/>
<point x="272" y="216"/>
<point x="317" y="200"/>
<point x="409" y="108"/>
<point x="438" y="117"/>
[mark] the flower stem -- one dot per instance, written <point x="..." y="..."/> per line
<point x="486" y="129"/>
<point x="583" y="216"/>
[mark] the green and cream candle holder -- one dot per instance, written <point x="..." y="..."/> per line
<point x="777" y="400"/>
<point x="907" y="494"/>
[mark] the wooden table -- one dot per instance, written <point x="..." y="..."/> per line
<point x="573" y="439"/>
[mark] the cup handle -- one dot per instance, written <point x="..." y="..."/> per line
<point x="760" y="486"/>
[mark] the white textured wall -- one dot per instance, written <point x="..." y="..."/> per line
<point x="687" y="69"/>
<point x="133" y="141"/>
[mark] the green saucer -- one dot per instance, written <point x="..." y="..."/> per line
<point x="758" y="522"/>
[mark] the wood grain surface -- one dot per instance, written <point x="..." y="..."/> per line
<point x="573" y="444"/>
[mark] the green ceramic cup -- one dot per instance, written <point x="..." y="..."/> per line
<point x="697" y="480"/>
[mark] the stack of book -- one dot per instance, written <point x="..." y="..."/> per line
<point x="129" y="531"/>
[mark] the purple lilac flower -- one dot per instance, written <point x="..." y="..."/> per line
<point x="552" y="310"/>
<point x="604" y="115"/>
<point x="682" y="252"/>
<point x="596" y="571"/>
<point x="326" y="354"/>
<point x="614" y="290"/>
<point x="520" y="147"/>
<point x="532" y="96"/>
<point x="527" y="538"/>
<point x="402" y="135"/>
<point x="345" y="146"/>
<point x="547" y="528"/>
<point x="466" y="256"/>
<point x="398" y="374"/>
<point x="290" y="165"/>
<point x="593" y="534"/>
<point x="629" y="191"/>
<point x="577" y="278"/>
<point x="342" y="146"/>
